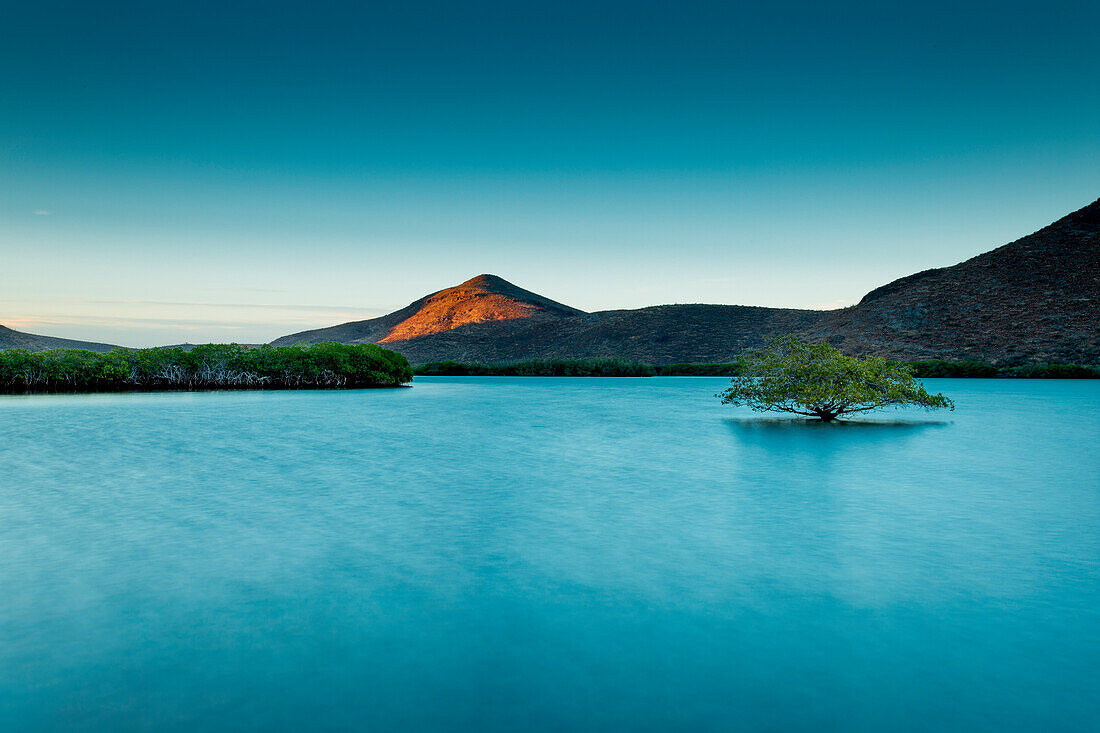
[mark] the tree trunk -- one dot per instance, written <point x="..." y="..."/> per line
<point x="827" y="416"/>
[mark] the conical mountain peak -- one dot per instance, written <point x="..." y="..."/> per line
<point x="480" y="299"/>
<point x="487" y="281"/>
<point x="485" y="298"/>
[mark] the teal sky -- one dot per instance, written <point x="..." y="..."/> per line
<point x="213" y="172"/>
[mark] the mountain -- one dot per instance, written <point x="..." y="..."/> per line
<point x="657" y="334"/>
<point x="1035" y="299"/>
<point x="483" y="299"/>
<point x="10" y="339"/>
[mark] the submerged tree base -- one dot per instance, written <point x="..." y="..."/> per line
<point x="206" y="367"/>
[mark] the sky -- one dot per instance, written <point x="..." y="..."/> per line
<point x="199" y="171"/>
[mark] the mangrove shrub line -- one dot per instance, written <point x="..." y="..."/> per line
<point x="210" y="366"/>
<point x="611" y="367"/>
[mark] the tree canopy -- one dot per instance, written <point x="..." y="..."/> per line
<point x="816" y="380"/>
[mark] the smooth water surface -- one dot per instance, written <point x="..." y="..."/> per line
<point x="548" y="554"/>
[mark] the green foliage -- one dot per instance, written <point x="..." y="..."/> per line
<point x="611" y="367"/>
<point x="1052" y="371"/>
<point x="215" y="366"/>
<point x="938" y="368"/>
<point x="716" y="369"/>
<point x="209" y="366"/>
<point x="442" y="369"/>
<point x="593" y="367"/>
<point x="816" y="380"/>
<point x="596" y="367"/>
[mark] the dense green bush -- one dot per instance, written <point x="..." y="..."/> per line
<point x="210" y="366"/>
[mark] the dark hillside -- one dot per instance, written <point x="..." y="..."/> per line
<point x="10" y="339"/>
<point x="1034" y="300"/>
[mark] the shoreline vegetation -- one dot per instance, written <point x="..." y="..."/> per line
<point x="612" y="367"/>
<point x="205" y="367"/>
<point x="357" y="366"/>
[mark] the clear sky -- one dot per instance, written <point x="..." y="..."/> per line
<point x="236" y="171"/>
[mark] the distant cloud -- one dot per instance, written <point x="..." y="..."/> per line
<point x="340" y="309"/>
<point x="143" y="322"/>
<point x="336" y="310"/>
<point x="121" y="322"/>
<point x="41" y="212"/>
<point x="20" y="323"/>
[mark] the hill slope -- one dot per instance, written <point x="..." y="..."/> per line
<point x="483" y="299"/>
<point x="10" y="339"/>
<point x="1035" y="299"/>
<point x="658" y="334"/>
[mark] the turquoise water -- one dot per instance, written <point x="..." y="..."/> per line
<point x="544" y="554"/>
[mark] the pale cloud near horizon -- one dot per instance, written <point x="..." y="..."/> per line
<point x="147" y="323"/>
<point x="187" y="325"/>
<point x="42" y="212"/>
<point x="364" y="312"/>
<point x="348" y="311"/>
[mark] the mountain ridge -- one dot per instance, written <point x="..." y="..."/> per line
<point x="1034" y="299"/>
<point x="481" y="299"/>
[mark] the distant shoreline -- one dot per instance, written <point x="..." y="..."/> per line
<point x="612" y="367"/>
<point x="219" y="367"/>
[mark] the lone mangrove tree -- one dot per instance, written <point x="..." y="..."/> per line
<point x="816" y="380"/>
